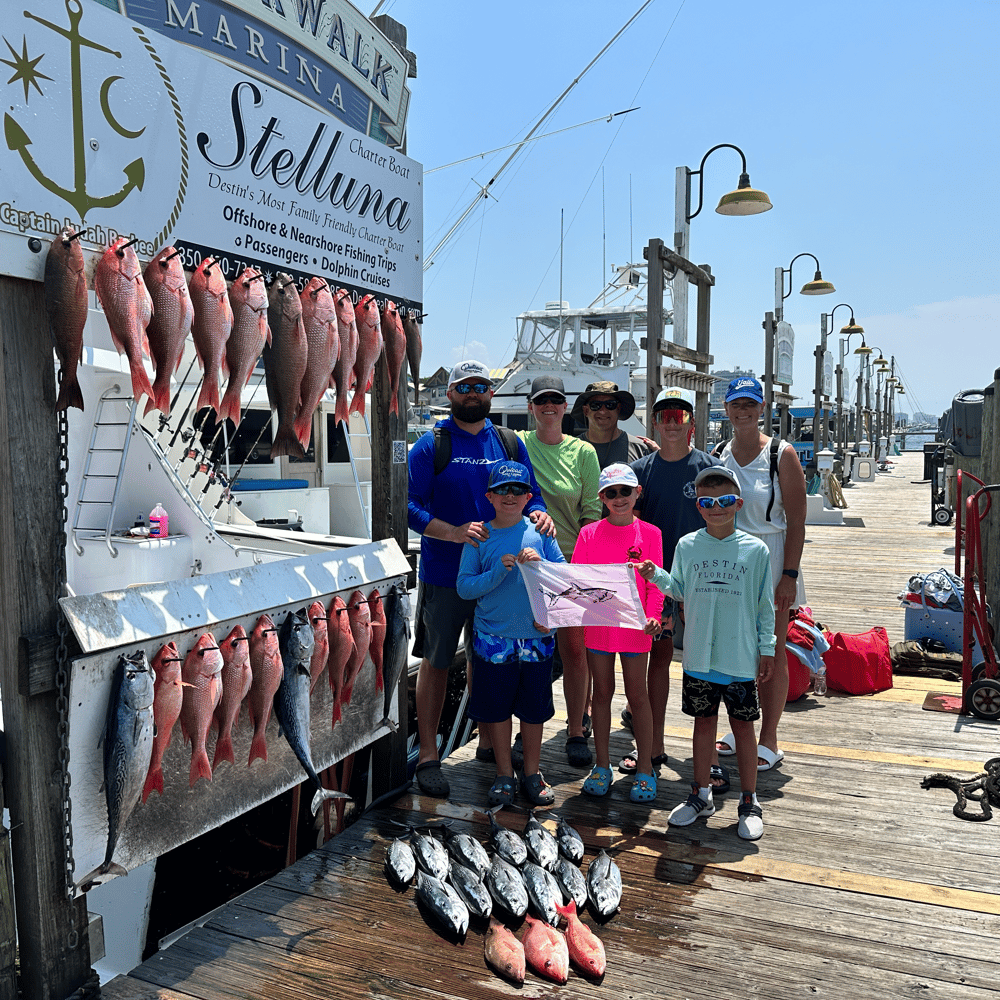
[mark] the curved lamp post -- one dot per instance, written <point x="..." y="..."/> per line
<point x="744" y="200"/>
<point x="815" y="287"/>
<point x="851" y="329"/>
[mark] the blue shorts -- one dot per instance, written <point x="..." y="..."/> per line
<point x="604" y="652"/>
<point x="519" y="685"/>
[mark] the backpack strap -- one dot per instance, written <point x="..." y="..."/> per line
<point x="442" y="446"/>
<point x="775" y="443"/>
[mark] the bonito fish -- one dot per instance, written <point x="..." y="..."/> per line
<point x="442" y="900"/>
<point x="291" y="703"/>
<point x="168" y="697"/>
<point x="213" y="322"/>
<point x="604" y="885"/>
<point x="542" y="846"/>
<point x="173" y="314"/>
<point x="400" y="864"/>
<point x="395" y="350"/>
<point x="202" y="673"/>
<point x="128" y="745"/>
<point x="343" y="372"/>
<point x="469" y="886"/>
<point x="543" y="891"/>
<point x="570" y="842"/>
<point x="507" y="887"/>
<point x="507" y="843"/>
<point x="369" y="348"/>
<point x="571" y="881"/>
<point x="265" y="665"/>
<point x="236" y="680"/>
<point x="395" y="653"/>
<point x="320" y="318"/>
<point x="414" y="350"/>
<point x="127" y="307"/>
<point x="248" y="299"/>
<point x="285" y="362"/>
<point x="66" y="303"/>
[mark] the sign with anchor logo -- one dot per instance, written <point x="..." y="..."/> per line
<point x="113" y="128"/>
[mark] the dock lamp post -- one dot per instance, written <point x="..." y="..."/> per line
<point x="850" y="330"/>
<point x="815" y="287"/>
<point x="745" y="200"/>
<point x="881" y="392"/>
<point x="864" y="350"/>
<point x="824" y="327"/>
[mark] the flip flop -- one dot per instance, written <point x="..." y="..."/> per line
<point x="726" y="747"/>
<point x="770" y="758"/>
<point x="628" y="763"/>
<point x="431" y="780"/>
<point x="721" y="774"/>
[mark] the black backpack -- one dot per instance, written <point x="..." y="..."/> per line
<point x="442" y="446"/>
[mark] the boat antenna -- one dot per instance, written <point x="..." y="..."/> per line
<point x="562" y="213"/>
<point x="604" y="235"/>
<point x="484" y="191"/>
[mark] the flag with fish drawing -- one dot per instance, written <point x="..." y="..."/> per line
<point x="578" y="594"/>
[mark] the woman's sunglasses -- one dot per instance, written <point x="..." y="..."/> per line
<point x="612" y="492"/>
<point x="464" y="388"/>
<point x="727" y="500"/>
<point x="607" y="404"/>
<point x="544" y="400"/>
<point x="510" y="490"/>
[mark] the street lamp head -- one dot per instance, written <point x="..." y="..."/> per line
<point x="745" y="200"/>
<point x="863" y="349"/>
<point x="852" y="327"/>
<point x="817" y="286"/>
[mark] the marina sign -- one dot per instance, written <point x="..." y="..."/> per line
<point x="123" y="132"/>
<point x="324" y="52"/>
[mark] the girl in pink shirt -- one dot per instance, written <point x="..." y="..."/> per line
<point x="621" y="538"/>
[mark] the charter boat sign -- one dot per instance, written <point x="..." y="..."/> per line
<point x="112" y="127"/>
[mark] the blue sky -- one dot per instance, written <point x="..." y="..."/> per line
<point x="872" y="126"/>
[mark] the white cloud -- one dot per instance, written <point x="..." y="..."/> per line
<point x="474" y="349"/>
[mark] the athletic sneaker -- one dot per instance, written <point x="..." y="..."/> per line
<point x="751" y="825"/>
<point x="694" y="808"/>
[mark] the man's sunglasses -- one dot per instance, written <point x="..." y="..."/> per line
<point x="612" y="492"/>
<point x="727" y="500"/>
<point x="673" y="416"/>
<point x="464" y="388"/>
<point x="607" y="404"/>
<point x="510" y="490"/>
<point x="543" y="400"/>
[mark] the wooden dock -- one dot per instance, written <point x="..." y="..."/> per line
<point x="864" y="885"/>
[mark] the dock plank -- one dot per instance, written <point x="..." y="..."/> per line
<point x="864" y="885"/>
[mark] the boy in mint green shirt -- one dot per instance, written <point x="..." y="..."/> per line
<point x="723" y="577"/>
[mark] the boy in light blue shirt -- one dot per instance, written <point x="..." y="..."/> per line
<point x="723" y="576"/>
<point x="511" y="658"/>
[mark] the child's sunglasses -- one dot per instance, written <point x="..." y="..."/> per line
<point x="607" y="404"/>
<point x="673" y="416"/>
<point x="510" y="490"/>
<point x="464" y="388"/>
<point x="612" y="492"/>
<point x="727" y="500"/>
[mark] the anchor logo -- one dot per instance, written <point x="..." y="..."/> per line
<point x="18" y="140"/>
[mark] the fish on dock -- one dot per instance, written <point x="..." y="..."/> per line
<point x="542" y="846"/>
<point x="586" y="949"/>
<point x="291" y="702"/>
<point x="570" y="842"/>
<point x="507" y="844"/>
<point x="506" y="885"/>
<point x="442" y="900"/>
<point x="168" y="697"/>
<point x="546" y="951"/>
<point x="400" y="863"/>
<point x="570" y="879"/>
<point x="543" y="891"/>
<point x="173" y="315"/>
<point x="503" y="951"/>
<point x="128" y="745"/>
<point x="467" y="851"/>
<point x="604" y="885"/>
<point x="66" y="303"/>
<point x="430" y="853"/>
<point x="470" y="887"/>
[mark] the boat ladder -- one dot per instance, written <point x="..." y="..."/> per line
<point x="97" y="483"/>
<point x="358" y="482"/>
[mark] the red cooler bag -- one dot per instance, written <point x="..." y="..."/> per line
<point x="858" y="664"/>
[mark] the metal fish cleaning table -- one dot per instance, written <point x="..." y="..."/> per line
<point x="864" y="885"/>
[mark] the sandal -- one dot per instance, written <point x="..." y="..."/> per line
<point x="503" y="791"/>
<point x="578" y="751"/>
<point x="726" y="747"/>
<point x="588" y="725"/>
<point x="599" y="782"/>
<point x="628" y="763"/>
<point x="643" y="788"/>
<point x="537" y="792"/>
<point x="721" y="774"/>
<point x="431" y="780"/>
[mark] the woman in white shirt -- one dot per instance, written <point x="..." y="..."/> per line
<point x="774" y="510"/>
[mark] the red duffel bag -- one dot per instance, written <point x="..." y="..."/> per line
<point x="858" y="664"/>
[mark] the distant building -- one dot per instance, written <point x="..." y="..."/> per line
<point x="919" y="417"/>
<point x="434" y="388"/>
<point x="718" y="398"/>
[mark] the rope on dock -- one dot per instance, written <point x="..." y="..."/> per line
<point x="986" y="784"/>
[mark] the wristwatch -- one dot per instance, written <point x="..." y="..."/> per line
<point x="793" y="573"/>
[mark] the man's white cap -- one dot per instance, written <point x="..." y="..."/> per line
<point x="465" y="370"/>
<point x="617" y="475"/>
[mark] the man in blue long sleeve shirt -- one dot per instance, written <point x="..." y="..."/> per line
<point x="448" y="510"/>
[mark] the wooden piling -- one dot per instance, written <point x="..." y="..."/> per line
<point x="52" y="929"/>
<point x="8" y="934"/>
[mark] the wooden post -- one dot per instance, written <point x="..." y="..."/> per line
<point x="389" y="520"/>
<point x="702" y="408"/>
<point x="8" y="934"/>
<point x="654" y="327"/>
<point x="52" y="929"/>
